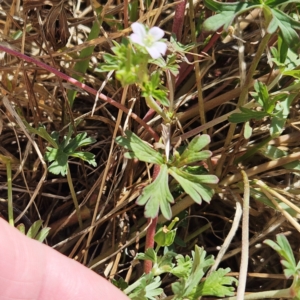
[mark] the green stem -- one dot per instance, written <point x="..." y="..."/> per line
<point x="73" y="194"/>
<point x="284" y="293"/>
<point x="152" y="104"/>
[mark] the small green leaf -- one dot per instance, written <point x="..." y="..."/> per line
<point x="287" y="26"/>
<point x="21" y="228"/>
<point x="153" y="88"/>
<point x="34" y="229"/>
<point x="217" y="284"/>
<point x="227" y="12"/>
<point x="150" y="254"/>
<point x="246" y="115"/>
<point x="199" y="267"/>
<point x="86" y="156"/>
<point x="283" y="248"/>
<point x="194" y="185"/>
<point x="184" y="266"/>
<point x="79" y="141"/>
<point x="157" y="196"/>
<point x="41" y="131"/>
<point x="164" y="264"/>
<point x="41" y="236"/>
<point x="59" y="161"/>
<point x="247" y="131"/>
<point x="139" y="149"/>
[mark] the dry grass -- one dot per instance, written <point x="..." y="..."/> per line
<point x="113" y="226"/>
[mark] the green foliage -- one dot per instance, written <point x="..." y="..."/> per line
<point x="275" y="18"/>
<point x="138" y="149"/>
<point x="157" y="194"/>
<point x="274" y="106"/>
<point x="152" y="88"/>
<point x="283" y="248"/>
<point x="291" y="268"/>
<point x="36" y="231"/>
<point x="58" y="157"/>
<point x="165" y="237"/>
<point x="189" y="270"/>
<point x="130" y="68"/>
<point x="59" y="153"/>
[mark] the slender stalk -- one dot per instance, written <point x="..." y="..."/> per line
<point x="245" y="239"/>
<point x="284" y="293"/>
<point x="73" y="194"/>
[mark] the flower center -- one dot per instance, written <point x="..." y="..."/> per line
<point x="148" y="40"/>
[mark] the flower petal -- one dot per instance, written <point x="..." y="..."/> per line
<point x="154" y="51"/>
<point x="139" y="29"/>
<point x="161" y="47"/>
<point x="135" y="38"/>
<point x="157" y="33"/>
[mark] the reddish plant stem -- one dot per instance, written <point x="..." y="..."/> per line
<point x="179" y="19"/>
<point x="80" y="85"/>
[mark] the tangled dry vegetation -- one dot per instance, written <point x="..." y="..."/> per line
<point x="113" y="226"/>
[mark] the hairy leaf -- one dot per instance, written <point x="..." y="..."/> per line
<point x="194" y="185"/>
<point x="157" y="196"/>
<point x="139" y="149"/>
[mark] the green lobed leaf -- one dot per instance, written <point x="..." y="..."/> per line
<point x="86" y="156"/>
<point x="227" y="12"/>
<point x="139" y="149"/>
<point x="287" y="26"/>
<point x="157" y="196"/>
<point x="164" y="263"/>
<point x="194" y="185"/>
<point x="150" y="254"/>
<point x="184" y="266"/>
<point x="262" y="94"/>
<point x="283" y="248"/>
<point x="217" y="284"/>
<point x="191" y="153"/>
<point x="151" y="89"/>
<point x="79" y="140"/>
<point x="282" y="110"/>
<point x="199" y="267"/>
<point x="59" y="161"/>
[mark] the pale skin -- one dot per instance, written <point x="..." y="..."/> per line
<point x="33" y="271"/>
